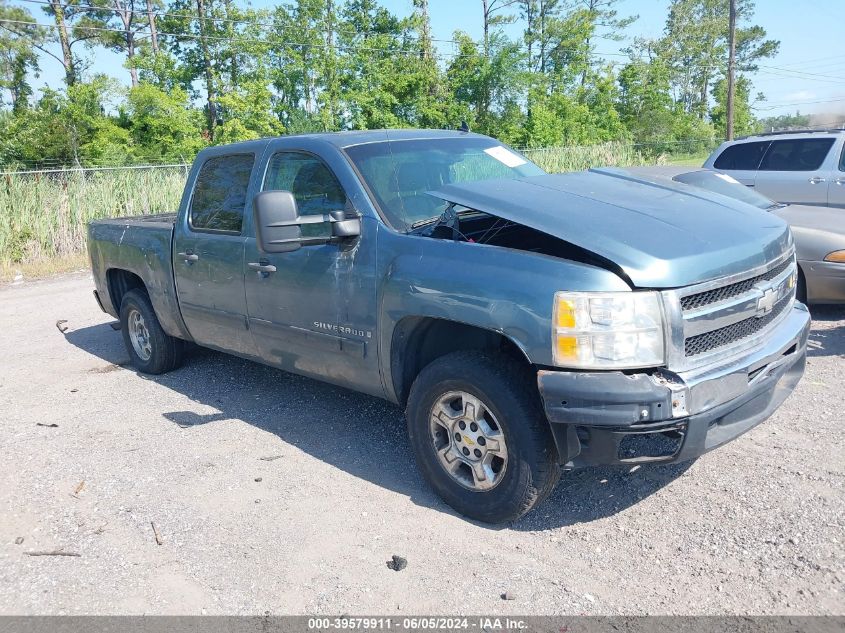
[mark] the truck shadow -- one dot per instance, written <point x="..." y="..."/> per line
<point x="361" y="435"/>
<point x="827" y="341"/>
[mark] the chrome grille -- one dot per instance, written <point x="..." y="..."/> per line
<point x="702" y="343"/>
<point x="716" y="319"/>
<point x="701" y="299"/>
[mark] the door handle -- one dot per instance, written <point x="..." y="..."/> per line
<point x="189" y="257"/>
<point x="840" y="181"/>
<point x="262" y="267"/>
<point x="816" y="180"/>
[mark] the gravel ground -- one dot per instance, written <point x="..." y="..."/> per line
<point x="272" y="492"/>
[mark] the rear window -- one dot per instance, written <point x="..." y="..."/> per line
<point x="220" y="193"/>
<point x="799" y="154"/>
<point x="742" y="156"/>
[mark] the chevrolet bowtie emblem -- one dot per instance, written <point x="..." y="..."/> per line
<point x="766" y="303"/>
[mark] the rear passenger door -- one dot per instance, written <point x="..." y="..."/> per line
<point x="208" y="253"/>
<point x="742" y="160"/>
<point x="796" y="170"/>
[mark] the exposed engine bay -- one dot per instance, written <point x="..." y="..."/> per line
<point x="462" y="224"/>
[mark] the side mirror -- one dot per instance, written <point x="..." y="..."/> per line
<point x="276" y="222"/>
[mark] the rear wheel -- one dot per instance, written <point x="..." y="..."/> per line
<point x="480" y="437"/>
<point x="151" y="350"/>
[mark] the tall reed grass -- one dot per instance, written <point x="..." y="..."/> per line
<point x="559" y="159"/>
<point x="45" y="215"/>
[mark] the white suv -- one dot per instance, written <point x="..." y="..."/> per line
<point x="803" y="167"/>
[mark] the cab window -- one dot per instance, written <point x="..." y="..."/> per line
<point x="312" y="183"/>
<point x="800" y="154"/>
<point x="219" y="198"/>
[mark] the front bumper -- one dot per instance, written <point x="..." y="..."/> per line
<point x="617" y="418"/>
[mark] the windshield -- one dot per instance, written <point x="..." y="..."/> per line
<point x="725" y="185"/>
<point x="399" y="173"/>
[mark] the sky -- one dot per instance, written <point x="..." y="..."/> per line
<point x="808" y="73"/>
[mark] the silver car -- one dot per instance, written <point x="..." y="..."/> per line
<point x="819" y="231"/>
<point x="806" y="167"/>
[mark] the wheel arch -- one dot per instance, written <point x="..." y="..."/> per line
<point x="119" y="281"/>
<point x="417" y="341"/>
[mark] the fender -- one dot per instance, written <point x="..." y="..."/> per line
<point x="463" y="282"/>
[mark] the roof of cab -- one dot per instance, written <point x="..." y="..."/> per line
<point x="349" y="138"/>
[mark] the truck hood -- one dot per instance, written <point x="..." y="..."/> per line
<point x="660" y="235"/>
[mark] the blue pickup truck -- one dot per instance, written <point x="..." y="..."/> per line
<point x="528" y="323"/>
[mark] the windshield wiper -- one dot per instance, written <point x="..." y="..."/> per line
<point x="421" y="223"/>
<point x="448" y="218"/>
<point x="443" y="226"/>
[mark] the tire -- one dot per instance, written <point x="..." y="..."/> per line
<point x="155" y="352"/>
<point x="516" y="479"/>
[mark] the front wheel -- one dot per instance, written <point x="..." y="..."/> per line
<point x="151" y="350"/>
<point x="480" y="437"/>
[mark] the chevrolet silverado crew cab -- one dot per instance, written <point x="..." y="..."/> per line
<point x="528" y="323"/>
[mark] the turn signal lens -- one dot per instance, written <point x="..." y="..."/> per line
<point x="836" y="256"/>
<point x="565" y="314"/>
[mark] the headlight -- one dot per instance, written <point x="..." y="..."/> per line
<point x="607" y="330"/>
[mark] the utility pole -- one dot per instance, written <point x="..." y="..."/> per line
<point x="731" y="71"/>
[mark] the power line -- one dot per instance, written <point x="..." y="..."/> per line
<point x="801" y="72"/>
<point x="797" y="103"/>
<point x="817" y="59"/>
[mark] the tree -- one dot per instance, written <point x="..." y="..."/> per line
<point x="743" y="118"/>
<point x="18" y="59"/>
<point x="795" y="121"/>
<point x="606" y="24"/>
<point x="121" y="30"/>
<point x="69" y="128"/>
<point x="74" y="23"/>
<point x="487" y="86"/>
<point x="694" y="47"/>
<point x="537" y="14"/>
<point x="490" y="9"/>
<point x="162" y="125"/>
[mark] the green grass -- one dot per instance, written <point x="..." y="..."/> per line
<point x="687" y="160"/>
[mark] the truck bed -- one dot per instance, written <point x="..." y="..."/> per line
<point x="142" y="246"/>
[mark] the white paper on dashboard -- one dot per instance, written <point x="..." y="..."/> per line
<point x="505" y="156"/>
